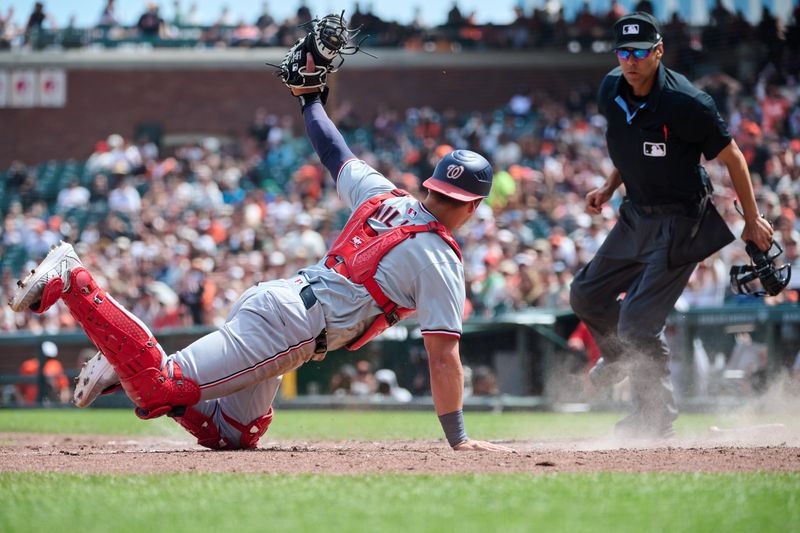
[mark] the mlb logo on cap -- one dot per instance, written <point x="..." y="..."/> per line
<point x="637" y="30"/>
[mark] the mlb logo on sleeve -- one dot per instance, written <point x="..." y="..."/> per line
<point x="655" y="149"/>
<point x="630" y="29"/>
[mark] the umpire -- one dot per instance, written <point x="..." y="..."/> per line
<point x="659" y="125"/>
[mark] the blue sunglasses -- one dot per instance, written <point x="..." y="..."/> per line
<point x="625" y="53"/>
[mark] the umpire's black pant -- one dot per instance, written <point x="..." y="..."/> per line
<point x="633" y="260"/>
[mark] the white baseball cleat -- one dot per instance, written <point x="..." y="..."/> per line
<point x="97" y="377"/>
<point x="58" y="264"/>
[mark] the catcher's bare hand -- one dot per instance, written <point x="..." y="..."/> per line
<point x="481" y="446"/>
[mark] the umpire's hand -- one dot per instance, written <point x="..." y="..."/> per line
<point x="759" y="231"/>
<point x="481" y="446"/>
<point x="596" y="198"/>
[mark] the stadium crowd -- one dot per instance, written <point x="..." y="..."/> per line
<point x="540" y="27"/>
<point x="177" y="236"/>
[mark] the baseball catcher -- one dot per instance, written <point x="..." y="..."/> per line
<point x="395" y="256"/>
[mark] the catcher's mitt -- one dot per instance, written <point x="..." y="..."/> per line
<point x="309" y="61"/>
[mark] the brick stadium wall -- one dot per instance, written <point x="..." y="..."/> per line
<point x="209" y="100"/>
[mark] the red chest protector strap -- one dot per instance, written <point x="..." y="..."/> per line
<point x="359" y="249"/>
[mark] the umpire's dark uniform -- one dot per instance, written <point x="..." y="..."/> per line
<point x="655" y="143"/>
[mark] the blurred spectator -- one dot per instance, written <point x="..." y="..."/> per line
<point x="150" y="24"/>
<point x="34" y="29"/>
<point x="363" y="383"/>
<point x="40" y="238"/>
<point x="245" y="34"/>
<point x="722" y="88"/>
<point x="544" y="27"/>
<point x="342" y="380"/>
<point x="191" y="289"/>
<point x="193" y="15"/>
<point x="454" y="17"/>
<point x="388" y="388"/>
<point x="707" y="285"/>
<point x="8" y="29"/>
<point x="75" y="195"/>
<point x="484" y="382"/>
<point x="774" y="110"/>
<point x="265" y="20"/>
<point x="108" y="17"/>
<point x="305" y="241"/>
<point x="178" y="16"/>
<point x="125" y="198"/>
<point x="225" y="18"/>
<point x="644" y="5"/>
<point x="615" y="11"/>
<point x="56" y="383"/>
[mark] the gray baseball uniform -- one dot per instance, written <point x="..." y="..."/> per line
<point x="270" y="331"/>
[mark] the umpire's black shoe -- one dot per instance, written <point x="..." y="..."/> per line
<point x="603" y="375"/>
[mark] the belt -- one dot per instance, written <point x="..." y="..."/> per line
<point x="308" y="296"/>
<point x="680" y="208"/>
<point x="309" y="299"/>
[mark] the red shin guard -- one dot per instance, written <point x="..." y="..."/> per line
<point x="130" y="348"/>
<point x="208" y="435"/>
<point x="252" y="431"/>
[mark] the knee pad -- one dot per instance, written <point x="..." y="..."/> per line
<point x="130" y="348"/>
<point x="209" y="436"/>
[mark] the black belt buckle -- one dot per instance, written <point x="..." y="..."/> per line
<point x="392" y="317"/>
<point x="321" y="342"/>
<point x="308" y="297"/>
<point x="678" y="208"/>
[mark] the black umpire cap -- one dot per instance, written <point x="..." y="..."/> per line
<point x="637" y="30"/>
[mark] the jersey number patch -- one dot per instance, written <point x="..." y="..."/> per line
<point x="386" y="215"/>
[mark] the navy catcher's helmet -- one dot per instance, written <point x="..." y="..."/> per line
<point x="463" y="175"/>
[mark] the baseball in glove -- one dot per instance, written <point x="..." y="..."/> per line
<point x="320" y="52"/>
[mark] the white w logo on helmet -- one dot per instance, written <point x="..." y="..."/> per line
<point x="454" y="171"/>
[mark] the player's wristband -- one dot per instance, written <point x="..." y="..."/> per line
<point x="309" y="98"/>
<point x="453" y="426"/>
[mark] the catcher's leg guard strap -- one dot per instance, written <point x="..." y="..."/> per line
<point x="204" y="428"/>
<point x="250" y="433"/>
<point x="50" y="295"/>
<point x="209" y="436"/>
<point x="130" y="348"/>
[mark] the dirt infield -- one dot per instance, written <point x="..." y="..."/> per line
<point x="22" y="452"/>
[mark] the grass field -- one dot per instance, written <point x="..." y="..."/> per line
<point x="481" y="503"/>
<point x="460" y="503"/>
